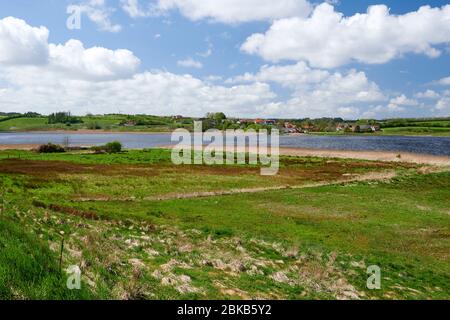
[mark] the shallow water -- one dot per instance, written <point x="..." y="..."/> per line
<point x="425" y="145"/>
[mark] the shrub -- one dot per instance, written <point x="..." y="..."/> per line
<point x="94" y="125"/>
<point x="98" y="149"/>
<point x="111" y="147"/>
<point x="50" y="148"/>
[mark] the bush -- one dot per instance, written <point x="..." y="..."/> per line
<point x="50" y="148"/>
<point x="98" y="149"/>
<point x="94" y="125"/>
<point x="111" y="147"/>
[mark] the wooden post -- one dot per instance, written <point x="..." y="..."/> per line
<point x="61" y="256"/>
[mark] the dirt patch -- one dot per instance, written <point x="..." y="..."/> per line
<point x="67" y="210"/>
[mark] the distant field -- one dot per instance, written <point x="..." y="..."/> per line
<point x="23" y="124"/>
<point x="147" y="123"/>
<point x="311" y="242"/>
<point x="418" y="130"/>
<point x="108" y="123"/>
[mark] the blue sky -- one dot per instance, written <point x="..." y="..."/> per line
<point x="184" y="57"/>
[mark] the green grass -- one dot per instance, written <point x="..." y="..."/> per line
<point x="28" y="269"/>
<point x="22" y="124"/>
<point x="417" y="130"/>
<point x="105" y="122"/>
<point x="320" y="239"/>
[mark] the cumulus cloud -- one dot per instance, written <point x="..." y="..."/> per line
<point x="190" y="63"/>
<point x="95" y="63"/>
<point x="316" y="92"/>
<point x="100" y="80"/>
<point x="225" y="11"/>
<point x="444" y="81"/>
<point x="402" y="100"/>
<point x="328" y="39"/>
<point x="155" y="92"/>
<point x="290" y="76"/>
<point x="428" y="94"/>
<point x="444" y="103"/>
<point x="21" y="43"/>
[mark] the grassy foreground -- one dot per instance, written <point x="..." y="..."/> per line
<point x="132" y="235"/>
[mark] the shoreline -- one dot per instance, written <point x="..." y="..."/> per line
<point x="319" y="134"/>
<point x="385" y="156"/>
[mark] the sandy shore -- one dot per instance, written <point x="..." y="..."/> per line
<point x="369" y="155"/>
<point x="300" y="152"/>
<point x="4" y="147"/>
<point x="388" y="156"/>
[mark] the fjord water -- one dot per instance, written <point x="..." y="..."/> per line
<point x="414" y="144"/>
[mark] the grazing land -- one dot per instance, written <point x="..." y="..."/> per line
<point x="142" y="228"/>
<point x="148" y="123"/>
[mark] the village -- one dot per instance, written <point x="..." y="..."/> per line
<point x="290" y="126"/>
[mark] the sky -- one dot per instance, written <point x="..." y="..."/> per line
<point x="246" y="58"/>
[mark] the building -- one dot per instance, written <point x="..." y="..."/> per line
<point x="366" y="128"/>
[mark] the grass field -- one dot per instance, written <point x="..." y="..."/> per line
<point x="146" y="123"/>
<point x="303" y="242"/>
<point x="106" y="122"/>
<point x="439" y="131"/>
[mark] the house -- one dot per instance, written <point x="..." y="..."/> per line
<point x="289" y="125"/>
<point x="266" y="122"/>
<point x="366" y="128"/>
<point x="130" y="123"/>
<point x="271" y="122"/>
<point x="177" y="117"/>
<point x="245" y="121"/>
<point x="342" y="127"/>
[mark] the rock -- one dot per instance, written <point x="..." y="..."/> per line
<point x="280" y="277"/>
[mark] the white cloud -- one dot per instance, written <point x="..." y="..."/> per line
<point x="443" y="107"/>
<point x="290" y="76"/>
<point x="132" y="8"/>
<point x="328" y="39"/>
<point x="95" y="63"/>
<point x="98" y="12"/>
<point x="315" y="92"/>
<point x="155" y="92"/>
<point x="225" y="11"/>
<point x="213" y="78"/>
<point x="428" y="94"/>
<point x="21" y="43"/>
<point x="101" y="80"/>
<point x="402" y="100"/>
<point x="397" y="105"/>
<point x="190" y="63"/>
<point x="208" y="52"/>
<point x="444" y="81"/>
